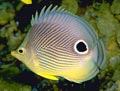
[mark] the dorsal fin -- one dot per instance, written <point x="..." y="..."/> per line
<point x="45" y="11"/>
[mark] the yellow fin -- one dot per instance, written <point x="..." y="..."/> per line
<point x="48" y="76"/>
<point x="27" y="1"/>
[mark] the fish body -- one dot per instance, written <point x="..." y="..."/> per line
<point x="60" y="44"/>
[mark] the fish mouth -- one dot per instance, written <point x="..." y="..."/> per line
<point x="13" y="53"/>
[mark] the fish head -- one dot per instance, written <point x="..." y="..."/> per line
<point x="20" y="54"/>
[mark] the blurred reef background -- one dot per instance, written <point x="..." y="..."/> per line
<point x="15" y="16"/>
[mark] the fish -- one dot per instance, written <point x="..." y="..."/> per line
<point x="60" y="44"/>
<point x="27" y="1"/>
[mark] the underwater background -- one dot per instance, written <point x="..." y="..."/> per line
<point x="15" y="17"/>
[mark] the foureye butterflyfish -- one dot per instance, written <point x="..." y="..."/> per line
<point x="60" y="44"/>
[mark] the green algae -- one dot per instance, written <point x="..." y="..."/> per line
<point x="12" y="86"/>
<point x="114" y="63"/>
<point x="12" y="34"/>
<point x="70" y="5"/>
<point x="115" y="8"/>
<point x="1" y="46"/>
<point x="106" y="22"/>
<point x="118" y="37"/>
<point x="118" y="85"/>
<point x="108" y="27"/>
<point x="6" y="13"/>
<point x="10" y="38"/>
<point x="11" y="71"/>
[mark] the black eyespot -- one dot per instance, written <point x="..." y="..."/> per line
<point x="81" y="47"/>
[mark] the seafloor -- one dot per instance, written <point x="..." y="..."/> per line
<point x="15" y="16"/>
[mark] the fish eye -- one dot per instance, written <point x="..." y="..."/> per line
<point x="81" y="47"/>
<point x="21" y="50"/>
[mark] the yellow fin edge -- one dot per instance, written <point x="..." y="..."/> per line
<point x="48" y="76"/>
